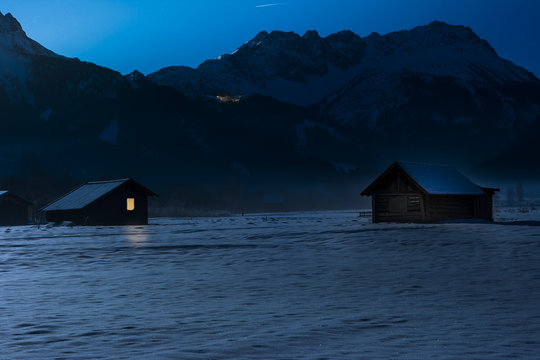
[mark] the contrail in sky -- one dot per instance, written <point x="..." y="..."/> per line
<point x="268" y="5"/>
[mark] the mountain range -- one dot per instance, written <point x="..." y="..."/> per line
<point x="283" y="122"/>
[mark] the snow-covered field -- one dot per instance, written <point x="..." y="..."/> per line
<point x="325" y="285"/>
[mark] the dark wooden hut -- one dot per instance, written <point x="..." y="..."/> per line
<point x="115" y="202"/>
<point x="411" y="192"/>
<point x="14" y="210"/>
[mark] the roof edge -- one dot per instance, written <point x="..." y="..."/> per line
<point x="122" y="181"/>
<point x="368" y="191"/>
<point x="61" y="197"/>
<point x="109" y="181"/>
<point x="489" y="190"/>
<point x="11" y="193"/>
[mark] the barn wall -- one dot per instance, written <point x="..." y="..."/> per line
<point x="397" y="199"/>
<point x="398" y="208"/>
<point x="13" y="211"/>
<point x="483" y="207"/>
<point x="112" y="208"/>
<point x="450" y="207"/>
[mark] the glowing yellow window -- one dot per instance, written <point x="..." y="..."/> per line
<point x="130" y="204"/>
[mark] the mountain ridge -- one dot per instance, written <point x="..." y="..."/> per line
<point x="279" y="64"/>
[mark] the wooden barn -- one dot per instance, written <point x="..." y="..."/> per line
<point x="412" y="192"/>
<point x="14" y="210"/>
<point x="115" y="202"/>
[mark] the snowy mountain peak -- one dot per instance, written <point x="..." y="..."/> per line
<point x="259" y="37"/>
<point x="451" y="34"/>
<point x="440" y="49"/>
<point x="9" y="24"/>
<point x="461" y="31"/>
<point x="311" y="35"/>
<point x="13" y="39"/>
<point x="431" y="55"/>
<point x="135" y="78"/>
<point x="273" y="39"/>
<point x="135" y="75"/>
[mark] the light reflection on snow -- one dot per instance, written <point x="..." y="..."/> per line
<point x="137" y="236"/>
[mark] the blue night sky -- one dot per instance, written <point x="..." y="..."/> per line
<point x="148" y="35"/>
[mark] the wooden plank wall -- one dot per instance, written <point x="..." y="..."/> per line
<point x="397" y="199"/>
<point x="450" y="207"/>
<point x="483" y="207"/>
<point x="397" y="208"/>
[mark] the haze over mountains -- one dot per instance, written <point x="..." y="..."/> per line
<point x="282" y="118"/>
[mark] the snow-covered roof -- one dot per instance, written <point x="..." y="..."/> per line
<point x="87" y="194"/>
<point x="435" y="179"/>
<point x="5" y="192"/>
<point x="440" y="179"/>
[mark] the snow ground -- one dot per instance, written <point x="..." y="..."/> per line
<point x="272" y="286"/>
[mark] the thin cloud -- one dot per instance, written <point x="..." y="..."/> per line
<point x="269" y="5"/>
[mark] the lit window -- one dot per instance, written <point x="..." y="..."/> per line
<point x="131" y="204"/>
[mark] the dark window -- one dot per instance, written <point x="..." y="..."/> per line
<point x="413" y="203"/>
